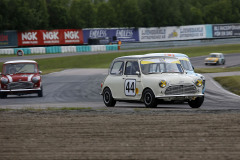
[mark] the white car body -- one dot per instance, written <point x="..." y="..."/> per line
<point x="149" y="79"/>
<point x="215" y="58"/>
<point x="186" y="63"/>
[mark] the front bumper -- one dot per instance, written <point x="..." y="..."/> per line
<point x="179" y="97"/>
<point x="20" y="90"/>
<point x="210" y="62"/>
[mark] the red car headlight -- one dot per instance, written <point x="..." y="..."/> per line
<point x="36" y="79"/>
<point x="4" y="80"/>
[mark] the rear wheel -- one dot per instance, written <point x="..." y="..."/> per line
<point x="197" y="102"/>
<point x="149" y="99"/>
<point x="108" y="100"/>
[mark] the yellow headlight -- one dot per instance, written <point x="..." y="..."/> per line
<point x="199" y="83"/>
<point x="163" y="84"/>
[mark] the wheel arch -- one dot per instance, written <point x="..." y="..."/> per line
<point x="145" y="90"/>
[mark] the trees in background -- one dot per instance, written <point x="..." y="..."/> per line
<point x="60" y="14"/>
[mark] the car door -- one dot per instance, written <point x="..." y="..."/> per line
<point x="115" y="79"/>
<point x="131" y="81"/>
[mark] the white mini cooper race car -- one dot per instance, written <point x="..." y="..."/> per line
<point x="150" y="79"/>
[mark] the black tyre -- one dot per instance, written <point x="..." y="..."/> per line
<point x="3" y="95"/>
<point x="40" y="93"/>
<point x="149" y="99"/>
<point x="197" y="102"/>
<point x="107" y="98"/>
<point x="223" y="62"/>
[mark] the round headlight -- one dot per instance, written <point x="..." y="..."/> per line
<point x="199" y="82"/>
<point x="4" y="80"/>
<point x="35" y="79"/>
<point x="163" y="84"/>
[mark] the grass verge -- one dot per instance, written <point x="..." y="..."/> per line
<point x="216" y="70"/>
<point x="231" y="83"/>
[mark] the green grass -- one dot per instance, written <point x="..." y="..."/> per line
<point x="216" y="70"/>
<point x="104" y="60"/>
<point x="231" y="83"/>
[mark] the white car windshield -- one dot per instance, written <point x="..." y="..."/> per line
<point x="186" y="64"/>
<point x="161" y="65"/>
<point x="20" y="68"/>
<point x="213" y="55"/>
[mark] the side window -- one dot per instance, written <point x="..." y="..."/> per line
<point x="117" y="68"/>
<point x="131" y="68"/>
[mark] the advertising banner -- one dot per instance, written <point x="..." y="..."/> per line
<point x="226" y="30"/>
<point x="95" y="33"/>
<point x="152" y="34"/>
<point x="8" y="39"/>
<point x="123" y="34"/>
<point x="53" y="37"/>
<point x="172" y="33"/>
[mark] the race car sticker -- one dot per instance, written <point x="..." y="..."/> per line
<point x="130" y="87"/>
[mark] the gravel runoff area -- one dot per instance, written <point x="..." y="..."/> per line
<point x="106" y="134"/>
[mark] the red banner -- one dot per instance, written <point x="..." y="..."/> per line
<point x="52" y="37"/>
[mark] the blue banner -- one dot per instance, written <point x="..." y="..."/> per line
<point x="226" y="30"/>
<point x="113" y="35"/>
<point x="8" y="39"/>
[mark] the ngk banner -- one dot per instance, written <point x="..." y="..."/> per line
<point x="53" y="37"/>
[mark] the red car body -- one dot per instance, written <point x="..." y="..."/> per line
<point x="20" y="77"/>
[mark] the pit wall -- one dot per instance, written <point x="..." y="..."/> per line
<point x="59" y="49"/>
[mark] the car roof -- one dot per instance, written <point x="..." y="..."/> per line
<point x="143" y="56"/>
<point x="216" y="53"/>
<point x="20" y="61"/>
<point x="169" y="54"/>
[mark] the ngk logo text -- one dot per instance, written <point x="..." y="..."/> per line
<point x="29" y="36"/>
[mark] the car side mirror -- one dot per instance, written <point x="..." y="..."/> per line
<point x="138" y="73"/>
<point x="40" y="72"/>
<point x="193" y="68"/>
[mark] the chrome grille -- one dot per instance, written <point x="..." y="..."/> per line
<point x="20" y="85"/>
<point x="180" y="89"/>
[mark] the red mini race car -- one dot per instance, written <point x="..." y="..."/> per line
<point x="20" y="77"/>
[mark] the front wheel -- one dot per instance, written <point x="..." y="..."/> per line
<point x="149" y="99"/>
<point x="40" y="93"/>
<point x="197" y="102"/>
<point x="107" y="98"/>
<point x="3" y="95"/>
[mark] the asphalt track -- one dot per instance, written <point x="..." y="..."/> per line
<point x="81" y="88"/>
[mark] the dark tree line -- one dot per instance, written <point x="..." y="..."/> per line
<point x="64" y="14"/>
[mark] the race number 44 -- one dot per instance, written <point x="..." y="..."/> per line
<point x="130" y="87"/>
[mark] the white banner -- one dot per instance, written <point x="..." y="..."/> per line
<point x="172" y="33"/>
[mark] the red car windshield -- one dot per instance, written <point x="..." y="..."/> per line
<point x="15" y="68"/>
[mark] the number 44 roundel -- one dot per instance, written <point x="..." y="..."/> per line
<point x="130" y="87"/>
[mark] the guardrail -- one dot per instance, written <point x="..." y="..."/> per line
<point x="59" y="49"/>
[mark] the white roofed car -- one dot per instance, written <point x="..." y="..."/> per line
<point x="20" y="77"/>
<point x="215" y="58"/>
<point x="186" y="63"/>
<point x="150" y="79"/>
